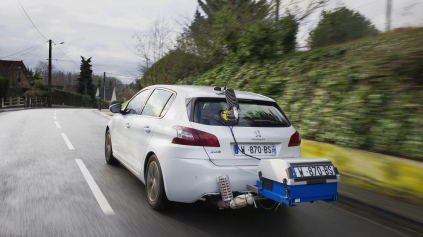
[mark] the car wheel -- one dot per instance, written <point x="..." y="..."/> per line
<point x="154" y="185"/>
<point x="108" y="150"/>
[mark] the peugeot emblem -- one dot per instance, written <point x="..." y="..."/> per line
<point x="257" y="132"/>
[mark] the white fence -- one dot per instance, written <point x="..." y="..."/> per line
<point x="23" y="102"/>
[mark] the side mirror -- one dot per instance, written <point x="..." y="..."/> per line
<point x="115" y="108"/>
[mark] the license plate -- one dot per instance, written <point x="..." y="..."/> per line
<point x="256" y="150"/>
<point x="308" y="171"/>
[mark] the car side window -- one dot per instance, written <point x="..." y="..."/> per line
<point x="168" y="104"/>
<point x="135" y="104"/>
<point x="156" y="103"/>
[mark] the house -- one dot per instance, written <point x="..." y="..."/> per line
<point x="20" y="79"/>
<point x="70" y="88"/>
<point x="56" y="87"/>
<point x="110" y="93"/>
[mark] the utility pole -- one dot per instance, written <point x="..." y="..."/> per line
<point x="104" y="86"/>
<point x="49" y="75"/>
<point x="277" y="10"/>
<point x="388" y="15"/>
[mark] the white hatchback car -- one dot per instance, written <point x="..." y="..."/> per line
<point x="169" y="137"/>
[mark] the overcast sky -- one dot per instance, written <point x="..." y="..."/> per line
<point x="103" y="29"/>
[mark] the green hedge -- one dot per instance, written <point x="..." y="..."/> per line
<point x="66" y="98"/>
<point x="367" y="94"/>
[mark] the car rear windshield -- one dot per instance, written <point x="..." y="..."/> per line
<point x="253" y="113"/>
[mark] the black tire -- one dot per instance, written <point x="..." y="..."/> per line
<point x="154" y="185"/>
<point x="109" y="151"/>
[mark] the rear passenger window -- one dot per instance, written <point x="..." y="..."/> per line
<point x="156" y="103"/>
<point x="168" y="104"/>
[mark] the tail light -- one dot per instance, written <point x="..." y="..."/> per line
<point x="295" y="139"/>
<point x="194" y="137"/>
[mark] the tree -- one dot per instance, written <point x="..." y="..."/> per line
<point x="300" y="9"/>
<point x="35" y="74"/>
<point x="154" y="43"/>
<point x="262" y="40"/>
<point x="340" y="25"/>
<point x="99" y="84"/>
<point x="42" y="69"/>
<point x="138" y="85"/>
<point x="225" y="19"/>
<point x="85" y="82"/>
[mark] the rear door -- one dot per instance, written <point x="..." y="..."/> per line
<point x="263" y="132"/>
<point x="143" y="125"/>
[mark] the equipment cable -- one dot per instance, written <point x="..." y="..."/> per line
<point x="242" y="151"/>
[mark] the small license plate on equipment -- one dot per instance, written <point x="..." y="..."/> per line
<point x="309" y="171"/>
<point x="255" y="150"/>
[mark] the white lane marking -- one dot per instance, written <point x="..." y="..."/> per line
<point x="54" y="117"/>
<point x="57" y="124"/>
<point x="67" y="142"/>
<point x="102" y="201"/>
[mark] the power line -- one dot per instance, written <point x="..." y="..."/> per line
<point x="66" y="55"/>
<point x="102" y="65"/>
<point x="31" y="21"/>
<point x="60" y="65"/>
<point x="27" y="52"/>
<point x="24" y="50"/>
<point x="397" y="9"/>
<point x="36" y="55"/>
<point x="409" y="21"/>
<point x="365" y="4"/>
<point x="101" y="49"/>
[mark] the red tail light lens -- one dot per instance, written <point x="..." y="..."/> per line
<point x="295" y="140"/>
<point x="194" y="137"/>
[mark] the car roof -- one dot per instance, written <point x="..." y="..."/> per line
<point x="188" y="91"/>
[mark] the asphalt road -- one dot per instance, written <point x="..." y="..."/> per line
<point x="44" y="193"/>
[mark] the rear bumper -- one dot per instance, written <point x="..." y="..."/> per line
<point x="187" y="180"/>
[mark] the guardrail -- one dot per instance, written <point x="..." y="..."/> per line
<point x="383" y="170"/>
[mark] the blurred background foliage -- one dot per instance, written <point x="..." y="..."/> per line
<point x="354" y="87"/>
<point x="366" y="94"/>
<point x="338" y="26"/>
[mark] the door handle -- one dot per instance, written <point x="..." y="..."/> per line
<point x="127" y="125"/>
<point x="147" y="129"/>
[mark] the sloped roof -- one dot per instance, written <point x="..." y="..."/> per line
<point x="8" y="68"/>
<point x="109" y="92"/>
